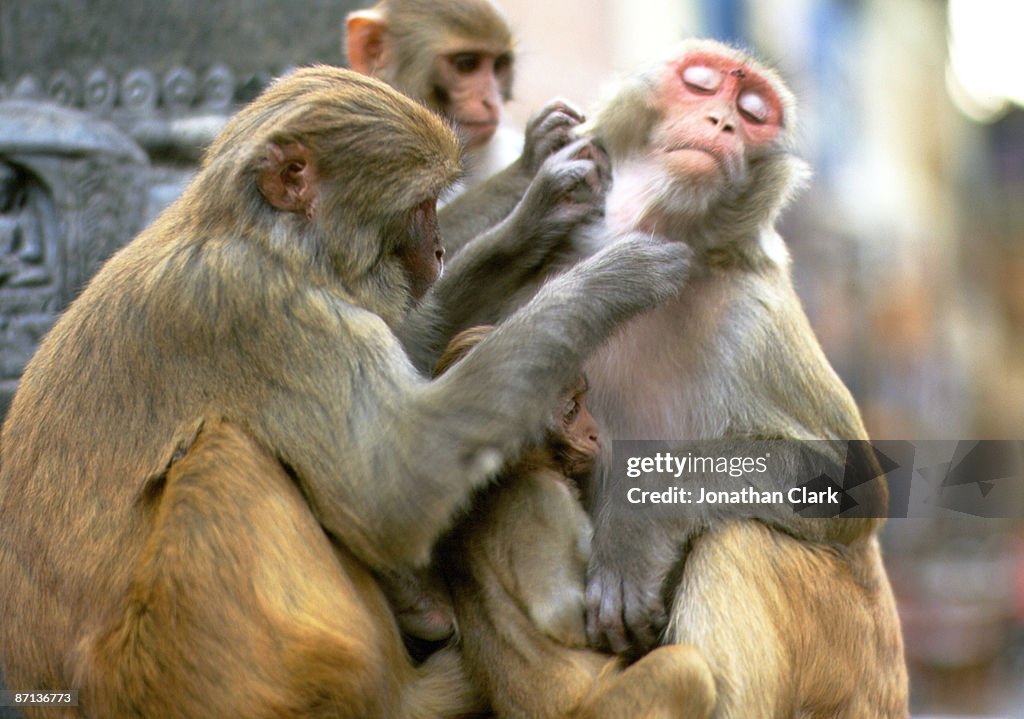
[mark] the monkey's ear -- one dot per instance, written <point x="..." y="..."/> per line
<point x="288" y="178"/>
<point x="367" y="31"/>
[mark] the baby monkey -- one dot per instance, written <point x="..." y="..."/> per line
<point x="530" y="533"/>
<point x="548" y="569"/>
<point x="515" y="567"/>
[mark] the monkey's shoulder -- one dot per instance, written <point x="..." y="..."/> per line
<point x="751" y="327"/>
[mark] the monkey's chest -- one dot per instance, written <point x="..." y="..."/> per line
<point x="663" y="375"/>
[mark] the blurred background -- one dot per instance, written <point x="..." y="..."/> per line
<point x="908" y="246"/>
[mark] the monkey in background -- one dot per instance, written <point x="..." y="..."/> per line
<point x="793" y="613"/>
<point x="515" y="565"/>
<point x="193" y="500"/>
<point x="458" y="57"/>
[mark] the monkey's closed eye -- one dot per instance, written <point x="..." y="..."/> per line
<point x="754" y="107"/>
<point x="702" y="78"/>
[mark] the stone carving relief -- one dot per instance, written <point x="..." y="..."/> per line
<point x="173" y="114"/>
<point x="71" y="193"/>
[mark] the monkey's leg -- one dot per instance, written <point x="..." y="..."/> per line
<point x="672" y="682"/>
<point x="791" y="628"/>
<point x="242" y="607"/>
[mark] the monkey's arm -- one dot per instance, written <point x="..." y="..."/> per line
<point x="523" y="248"/>
<point x="639" y="548"/>
<point x="385" y="458"/>
<point x="482" y="206"/>
<point x="485" y="205"/>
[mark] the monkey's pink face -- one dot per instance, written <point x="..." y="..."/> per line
<point x="718" y="113"/>
<point x="473" y="86"/>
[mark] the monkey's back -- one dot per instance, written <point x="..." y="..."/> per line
<point x="117" y="387"/>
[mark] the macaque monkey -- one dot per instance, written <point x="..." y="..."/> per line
<point x="458" y="57"/>
<point x="794" y="614"/>
<point x="222" y="437"/>
<point x="515" y="566"/>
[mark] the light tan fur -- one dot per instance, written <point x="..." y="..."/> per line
<point x="526" y="648"/>
<point x="792" y="629"/>
<point x="515" y="566"/>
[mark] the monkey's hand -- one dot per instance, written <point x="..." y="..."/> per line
<point x="490" y="203"/>
<point x="634" y="273"/>
<point x="568" y="189"/>
<point x="549" y="130"/>
<point x="626" y="603"/>
<point x="421" y="603"/>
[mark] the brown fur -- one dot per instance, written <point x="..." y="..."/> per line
<point x="311" y="627"/>
<point x="265" y="298"/>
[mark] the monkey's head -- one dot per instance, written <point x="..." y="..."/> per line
<point x="572" y="440"/>
<point x="457" y="56"/>
<point x="339" y="174"/>
<point x="704" y="137"/>
<point x="575" y="439"/>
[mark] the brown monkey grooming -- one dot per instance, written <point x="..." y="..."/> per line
<point x="226" y="401"/>
<point x="797" y="622"/>
<point x="515" y="566"/>
<point x="458" y="57"/>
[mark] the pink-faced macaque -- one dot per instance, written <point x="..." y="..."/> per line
<point x="793" y="612"/>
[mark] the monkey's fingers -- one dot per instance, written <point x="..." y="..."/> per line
<point x="549" y="131"/>
<point x="603" y="165"/>
<point x="558" y="106"/>
<point x="669" y="260"/>
<point x="579" y="149"/>
<point x="624" y="614"/>
<point x="557" y="131"/>
<point x="643" y="613"/>
<point x="600" y="178"/>
<point x="572" y="175"/>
